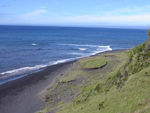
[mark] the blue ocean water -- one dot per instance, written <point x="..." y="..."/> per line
<point x="24" y="49"/>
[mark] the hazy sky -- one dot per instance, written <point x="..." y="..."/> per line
<point x="75" y="12"/>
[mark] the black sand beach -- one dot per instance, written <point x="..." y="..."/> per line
<point x="25" y="94"/>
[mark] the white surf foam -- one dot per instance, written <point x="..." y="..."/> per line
<point x="34" y="44"/>
<point x="63" y="61"/>
<point x="20" y="71"/>
<point x="104" y="48"/>
<point x="86" y="45"/>
<point x="81" y="45"/>
<point x="75" y="53"/>
<point x="101" y="49"/>
<point x="82" y="49"/>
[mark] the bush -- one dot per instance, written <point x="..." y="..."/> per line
<point x="148" y="33"/>
<point x="101" y="105"/>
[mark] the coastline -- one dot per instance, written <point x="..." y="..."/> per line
<point x="24" y="95"/>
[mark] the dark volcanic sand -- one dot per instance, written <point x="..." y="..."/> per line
<point x="24" y="95"/>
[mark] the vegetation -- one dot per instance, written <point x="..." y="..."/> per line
<point x="93" y="63"/>
<point x="148" y="33"/>
<point x="121" y="86"/>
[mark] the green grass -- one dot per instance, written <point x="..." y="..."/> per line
<point x="93" y="63"/>
<point x="134" y="97"/>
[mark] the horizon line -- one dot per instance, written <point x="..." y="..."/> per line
<point x="82" y="26"/>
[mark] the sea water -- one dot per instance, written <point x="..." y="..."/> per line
<point x="28" y="49"/>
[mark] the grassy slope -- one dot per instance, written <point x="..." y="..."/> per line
<point x="122" y="86"/>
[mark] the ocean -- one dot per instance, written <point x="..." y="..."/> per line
<point x="28" y="49"/>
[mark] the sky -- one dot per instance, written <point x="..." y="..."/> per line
<point x="75" y="12"/>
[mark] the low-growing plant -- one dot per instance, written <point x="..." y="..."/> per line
<point x="97" y="88"/>
<point x="101" y="105"/>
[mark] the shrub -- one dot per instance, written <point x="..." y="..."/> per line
<point x="97" y="88"/>
<point x="148" y="33"/>
<point x="101" y="105"/>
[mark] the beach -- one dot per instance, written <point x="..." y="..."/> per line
<point x="25" y="95"/>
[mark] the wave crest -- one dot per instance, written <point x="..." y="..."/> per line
<point x="82" y="49"/>
<point x="33" y="44"/>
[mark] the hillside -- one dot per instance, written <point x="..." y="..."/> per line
<point x="112" y="82"/>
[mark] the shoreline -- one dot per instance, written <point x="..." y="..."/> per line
<point x="25" y="91"/>
<point x="24" y="95"/>
<point x="19" y="76"/>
